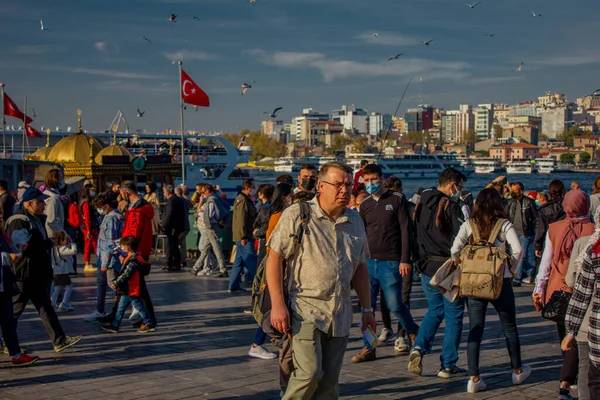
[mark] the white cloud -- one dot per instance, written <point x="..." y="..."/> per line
<point x="570" y="60"/>
<point x="189" y="55"/>
<point x="332" y="69"/>
<point x="34" y="49"/>
<point x="389" y="39"/>
<point x="496" y="79"/>
<point x="132" y="86"/>
<point x="111" y="73"/>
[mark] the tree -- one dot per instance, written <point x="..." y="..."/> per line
<point x="568" y="135"/>
<point x="339" y="142"/>
<point x="584" y="157"/>
<point x="567" y="158"/>
<point x="262" y="145"/>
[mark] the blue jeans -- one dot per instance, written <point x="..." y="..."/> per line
<point x="124" y="303"/>
<point x="526" y="267"/>
<point x="440" y="309"/>
<point x="245" y="259"/>
<point x="101" y="287"/>
<point x="384" y="275"/>
<point x="260" y="337"/>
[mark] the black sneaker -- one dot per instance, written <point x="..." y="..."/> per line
<point x="447" y="373"/>
<point x="110" y="328"/>
<point x="69" y="342"/>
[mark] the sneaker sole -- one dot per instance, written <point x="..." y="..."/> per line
<point x="27" y="364"/>
<point x="68" y="346"/>
<point x="261" y="357"/>
<point x="401" y="351"/>
<point x="414" y="364"/>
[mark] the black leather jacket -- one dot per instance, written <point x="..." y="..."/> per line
<point x="529" y="211"/>
<point x="547" y="214"/>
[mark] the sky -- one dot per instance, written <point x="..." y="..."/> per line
<point x="300" y="53"/>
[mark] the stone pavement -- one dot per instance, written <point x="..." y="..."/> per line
<point x="199" y="351"/>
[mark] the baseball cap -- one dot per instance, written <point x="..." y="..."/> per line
<point x="32" y="194"/>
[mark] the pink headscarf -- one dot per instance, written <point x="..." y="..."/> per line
<point x="576" y="205"/>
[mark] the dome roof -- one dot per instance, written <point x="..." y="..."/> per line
<point x="112" y="150"/>
<point x="40" y="154"/>
<point x="78" y="148"/>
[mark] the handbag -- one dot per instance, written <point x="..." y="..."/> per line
<point x="556" y="308"/>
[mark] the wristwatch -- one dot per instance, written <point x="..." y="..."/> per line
<point x="367" y="310"/>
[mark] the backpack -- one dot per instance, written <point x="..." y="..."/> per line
<point x="261" y="300"/>
<point x="482" y="265"/>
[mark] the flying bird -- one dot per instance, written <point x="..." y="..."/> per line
<point x="275" y="111"/>
<point x="520" y="66"/>
<point x="42" y="27"/>
<point x="473" y="5"/>
<point x="253" y="2"/>
<point x="395" y="57"/>
<point x="490" y="35"/>
<point x="173" y="18"/>
<point x="196" y="18"/>
<point x="428" y="42"/>
<point x="375" y="34"/>
<point x="534" y="14"/>
<point x="140" y="113"/>
<point x="246" y="86"/>
<point x="147" y="39"/>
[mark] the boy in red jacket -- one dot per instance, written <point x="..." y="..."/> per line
<point x="129" y="284"/>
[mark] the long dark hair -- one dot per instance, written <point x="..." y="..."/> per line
<point x="281" y="190"/>
<point x="487" y="210"/>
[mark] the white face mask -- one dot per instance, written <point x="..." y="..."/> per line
<point x="100" y="211"/>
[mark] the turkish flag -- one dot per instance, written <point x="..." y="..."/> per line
<point x="31" y="132"/>
<point x="11" y="109"/>
<point x="191" y="93"/>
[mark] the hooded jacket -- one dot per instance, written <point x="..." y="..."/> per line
<point x="138" y="223"/>
<point x="130" y="277"/>
<point x="547" y="214"/>
<point x="437" y="221"/>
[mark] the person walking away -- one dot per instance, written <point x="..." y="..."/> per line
<point x="8" y="326"/>
<point x="181" y="192"/>
<point x="320" y="276"/>
<point x="582" y="249"/>
<point x="244" y="214"/>
<point x="129" y="284"/>
<point x="152" y="198"/>
<point x="62" y="265"/>
<point x="173" y="225"/>
<point x="487" y="212"/>
<point x="137" y="222"/>
<point x="108" y="240"/>
<point x="595" y="197"/>
<point x="89" y="227"/>
<point x="522" y="213"/>
<point x="548" y="213"/>
<point x="265" y="195"/>
<point x="32" y="264"/>
<point x="7" y="203"/>
<point x="212" y="215"/>
<point x="54" y="209"/>
<point x="438" y="217"/>
<point x="554" y="264"/>
<point x="386" y="222"/>
<point x="585" y="301"/>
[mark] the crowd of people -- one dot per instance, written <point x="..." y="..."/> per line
<point x="310" y="240"/>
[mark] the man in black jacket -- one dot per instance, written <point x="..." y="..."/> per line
<point x="438" y="217"/>
<point x="33" y="268"/>
<point x="173" y="225"/>
<point x="522" y="212"/>
<point x="244" y="214"/>
<point x="550" y="212"/>
<point x="386" y="221"/>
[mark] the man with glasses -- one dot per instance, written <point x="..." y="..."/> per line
<point x="320" y="272"/>
<point x="438" y="217"/>
<point x="244" y="214"/>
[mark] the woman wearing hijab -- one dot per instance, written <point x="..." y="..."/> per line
<point x="554" y="265"/>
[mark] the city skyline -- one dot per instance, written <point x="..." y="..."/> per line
<point x="95" y="57"/>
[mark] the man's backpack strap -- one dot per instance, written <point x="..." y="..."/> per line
<point x="496" y="230"/>
<point x="303" y="227"/>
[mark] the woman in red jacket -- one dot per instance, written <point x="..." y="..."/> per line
<point x="89" y="227"/>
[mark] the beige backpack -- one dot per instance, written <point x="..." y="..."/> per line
<point x="482" y="265"/>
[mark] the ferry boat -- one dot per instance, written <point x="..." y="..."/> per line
<point x="409" y="166"/>
<point x="545" y="165"/>
<point x="519" y="167"/>
<point x="487" y="166"/>
<point x="292" y="165"/>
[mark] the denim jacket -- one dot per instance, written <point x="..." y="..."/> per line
<point x="108" y="239"/>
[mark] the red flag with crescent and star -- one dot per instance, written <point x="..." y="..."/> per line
<point x="191" y="93"/>
<point x="11" y="109"/>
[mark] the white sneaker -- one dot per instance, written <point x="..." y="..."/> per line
<point x="401" y="345"/>
<point x="474" y="387"/>
<point x="257" y="351"/>
<point x="517" y="379"/>
<point x="385" y="335"/>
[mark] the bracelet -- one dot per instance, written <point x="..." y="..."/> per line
<point x="367" y="310"/>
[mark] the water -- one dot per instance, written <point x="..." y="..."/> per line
<point x="476" y="182"/>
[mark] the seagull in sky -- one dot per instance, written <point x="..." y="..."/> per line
<point x="42" y="27"/>
<point x="490" y="35"/>
<point x="196" y="18"/>
<point x="428" y="42"/>
<point x="140" y="113"/>
<point x="147" y="39"/>
<point x="395" y="57"/>
<point x="520" y="66"/>
<point x="375" y="34"/>
<point x="253" y="2"/>
<point x="274" y="113"/>
<point x="473" y="5"/>
<point x="246" y="86"/>
<point x="535" y="15"/>
<point x="173" y="18"/>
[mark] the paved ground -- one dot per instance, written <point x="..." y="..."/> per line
<point x="199" y="351"/>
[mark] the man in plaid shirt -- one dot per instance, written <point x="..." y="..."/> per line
<point x="587" y="286"/>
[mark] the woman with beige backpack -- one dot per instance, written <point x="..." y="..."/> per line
<point x="490" y="234"/>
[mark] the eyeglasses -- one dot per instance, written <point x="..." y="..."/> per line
<point x="339" y="185"/>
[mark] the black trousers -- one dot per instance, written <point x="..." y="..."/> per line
<point x="173" y="251"/>
<point x="40" y="297"/>
<point x="594" y="381"/>
<point x="570" y="365"/>
<point x="8" y="324"/>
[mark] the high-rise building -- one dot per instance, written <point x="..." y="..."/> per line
<point x="355" y="120"/>
<point x="399" y="125"/>
<point x="379" y="123"/>
<point x="556" y="120"/>
<point x="299" y="128"/>
<point x="484" y="121"/>
<point x="419" y="119"/>
<point x="465" y="122"/>
<point x="271" y="127"/>
<point x="449" y="126"/>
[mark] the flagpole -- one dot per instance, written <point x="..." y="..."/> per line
<point x="24" y="130"/>
<point x="3" y="120"/>
<point x="181" y="110"/>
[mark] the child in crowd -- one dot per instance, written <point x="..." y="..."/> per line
<point x="129" y="284"/>
<point x="62" y="266"/>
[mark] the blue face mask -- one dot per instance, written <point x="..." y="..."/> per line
<point x="372" y="187"/>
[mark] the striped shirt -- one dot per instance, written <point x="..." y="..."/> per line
<point x="586" y="291"/>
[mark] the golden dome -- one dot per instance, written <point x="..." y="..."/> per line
<point x="112" y="150"/>
<point x="40" y="154"/>
<point x="78" y="148"/>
